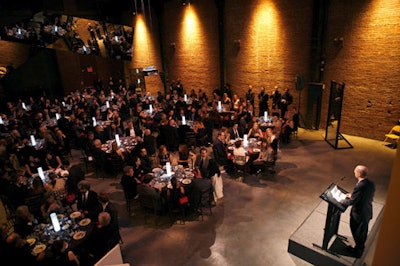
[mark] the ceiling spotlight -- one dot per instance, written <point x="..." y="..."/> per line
<point x="185" y="2"/>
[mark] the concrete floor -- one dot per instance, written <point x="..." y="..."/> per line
<point x="253" y="222"/>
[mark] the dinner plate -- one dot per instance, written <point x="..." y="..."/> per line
<point x="79" y="235"/>
<point x="84" y="222"/>
<point x="39" y="249"/>
<point x="65" y="227"/>
<point x="156" y="170"/>
<point x="186" y="181"/>
<point x="31" y="241"/>
<point x="190" y="175"/>
<point x="75" y="215"/>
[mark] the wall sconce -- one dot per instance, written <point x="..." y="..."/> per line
<point x="237" y="43"/>
<point x="172" y="45"/>
<point x="338" y="41"/>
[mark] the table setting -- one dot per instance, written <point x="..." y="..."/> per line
<point x="162" y="176"/>
<point x="73" y="228"/>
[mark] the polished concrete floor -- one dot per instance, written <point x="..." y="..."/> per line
<point x="251" y="225"/>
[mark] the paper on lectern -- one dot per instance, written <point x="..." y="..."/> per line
<point x="338" y="195"/>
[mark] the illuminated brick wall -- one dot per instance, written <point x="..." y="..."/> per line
<point x="368" y="62"/>
<point x="191" y="44"/>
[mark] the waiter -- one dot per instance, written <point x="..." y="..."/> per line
<point x="361" y="211"/>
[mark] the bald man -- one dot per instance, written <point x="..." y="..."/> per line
<point x="361" y="212"/>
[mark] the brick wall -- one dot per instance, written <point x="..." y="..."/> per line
<point x="192" y="55"/>
<point x="367" y="62"/>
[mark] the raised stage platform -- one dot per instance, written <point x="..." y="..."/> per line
<point x="306" y="240"/>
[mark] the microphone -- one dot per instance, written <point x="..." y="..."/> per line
<point x="340" y="180"/>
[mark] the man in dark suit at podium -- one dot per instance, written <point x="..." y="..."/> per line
<point x="361" y="211"/>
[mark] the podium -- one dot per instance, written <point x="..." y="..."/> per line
<point x="335" y="197"/>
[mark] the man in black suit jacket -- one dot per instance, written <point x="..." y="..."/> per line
<point x="87" y="200"/>
<point x="361" y="211"/>
<point x="201" y="163"/>
<point x="132" y="131"/>
<point x="235" y="131"/>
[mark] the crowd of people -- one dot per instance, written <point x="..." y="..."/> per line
<point x="161" y="126"/>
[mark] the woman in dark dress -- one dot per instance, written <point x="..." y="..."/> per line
<point x="163" y="156"/>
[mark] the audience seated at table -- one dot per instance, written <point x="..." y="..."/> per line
<point x="239" y="150"/>
<point x="75" y="175"/>
<point x="146" y="190"/>
<point x="146" y="162"/>
<point x="129" y="183"/>
<point x="56" y="185"/>
<point x="50" y="205"/>
<point x="272" y="141"/>
<point x="255" y="131"/>
<point x="107" y="206"/>
<point x="32" y="164"/>
<point x="18" y="251"/>
<point x="24" y="222"/>
<point x="174" y="193"/>
<point x="235" y="131"/>
<point x="59" y="254"/>
<point x="52" y="161"/>
<point x="98" y="242"/>
<point x="163" y="156"/>
<point x="35" y="197"/>
<point x="185" y="156"/>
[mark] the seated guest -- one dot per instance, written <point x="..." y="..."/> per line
<point x="113" y="130"/>
<point x="138" y="169"/>
<point x="32" y="165"/>
<point x="235" y="131"/>
<point x="107" y="206"/>
<point x="287" y="127"/>
<point x="277" y="124"/>
<point x="146" y="190"/>
<point x="266" y="155"/>
<point x="53" y="162"/>
<point x="149" y="142"/>
<point x="98" y="242"/>
<point x="272" y="141"/>
<point x="132" y="131"/>
<point x="146" y="161"/>
<point x="239" y="150"/>
<point x="174" y="193"/>
<point x="185" y="156"/>
<point x="200" y="132"/>
<point x="59" y="254"/>
<point x="75" y="175"/>
<point x="255" y="131"/>
<point x="129" y="183"/>
<point x="18" y="251"/>
<point x="35" y="197"/>
<point x="163" y="156"/>
<point x="50" y="205"/>
<point x="87" y="200"/>
<point x="24" y="222"/>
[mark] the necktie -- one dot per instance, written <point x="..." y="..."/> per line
<point x="201" y="163"/>
<point x="236" y="134"/>
<point x="84" y="199"/>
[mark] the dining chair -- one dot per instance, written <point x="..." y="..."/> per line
<point x="206" y="201"/>
<point x="240" y="165"/>
<point x="149" y="206"/>
<point x="89" y="161"/>
<point x="393" y="136"/>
